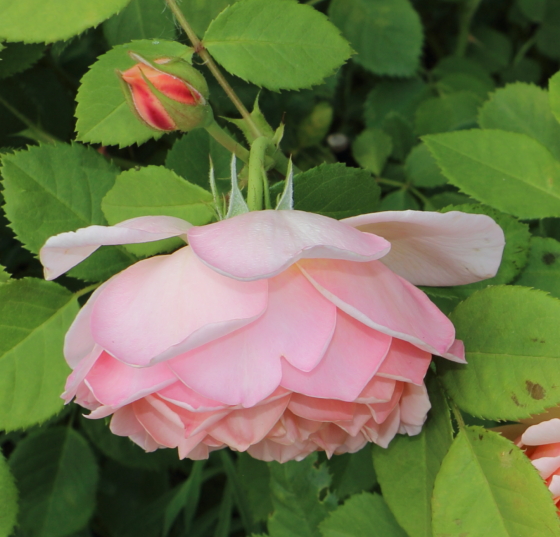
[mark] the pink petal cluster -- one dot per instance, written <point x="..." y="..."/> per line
<point x="541" y="442"/>
<point x="274" y="332"/>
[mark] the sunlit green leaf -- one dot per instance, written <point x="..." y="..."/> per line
<point x="487" y="486"/>
<point x="277" y="44"/>
<point x="512" y="340"/>
<point x="34" y="317"/>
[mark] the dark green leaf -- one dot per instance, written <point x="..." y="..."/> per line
<point x="543" y="269"/>
<point x="422" y="169"/>
<point x="57" y="477"/>
<point x="254" y="477"/>
<point x="399" y="200"/>
<point x="140" y="19"/>
<point x="352" y="472"/>
<point x="387" y="34"/>
<point x="371" y="149"/>
<point x="490" y="48"/>
<point x="8" y="500"/>
<point x="451" y="112"/>
<point x="17" y="57"/>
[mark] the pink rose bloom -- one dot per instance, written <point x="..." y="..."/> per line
<point x="274" y="332"/>
<point x="541" y="442"/>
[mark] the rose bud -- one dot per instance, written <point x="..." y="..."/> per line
<point x="168" y="94"/>
<point x="275" y="332"/>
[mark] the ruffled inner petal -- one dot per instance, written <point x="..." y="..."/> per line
<point x="405" y="362"/>
<point x="351" y="360"/>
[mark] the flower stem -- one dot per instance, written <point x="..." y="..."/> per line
<point x="468" y="9"/>
<point x="86" y="290"/>
<point x="257" y="175"/>
<point x="223" y="138"/>
<point x="208" y="60"/>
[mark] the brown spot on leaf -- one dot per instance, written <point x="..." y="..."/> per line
<point x="516" y="401"/>
<point x="548" y="258"/>
<point x="536" y="391"/>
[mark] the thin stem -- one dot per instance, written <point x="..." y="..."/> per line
<point x="524" y="49"/>
<point x="208" y="60"/>
<point x="468" y="9"/>
<point x="390" y="182"/>
<point x="255" y="187"/>
<point x="223" y="138"/>
<point x="312" y="2"/>
<point x="39" y="133"/>
<point x="419" y="195"/>
<point x="457" y="414"/>
<point x="86" y="290"/>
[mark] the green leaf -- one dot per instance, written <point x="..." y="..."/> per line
<point x="352" y="472"/>
<point x="8" y="500"/>
<point x="277" y="44"/>
<point x="34" y="317"/>
<point x="190" y="158"/>
<point x="490" y="48"/>
<point x="156" y="191"/>
<point x="522" y="108"/>
<point x="449" y="112"/>
<point x="57" y="474"/>
<point x="51" y="189"/>
<point x="554" y="95"/>
<point x="533" y="9"/>
<point x="400" y="96"/>
<point x="460" y="65"/>
<point x="514" y="257"/>
<point x="315" y="126"/>
<point x="506" y="170"/>
<point x="104" y="116"/>
<point x="399" y="200"/>
<point x="543" y="269"/>
<point x="455" y="82"/>
<point x="440" y="201"/>
<point x="35" y="21"/>
<point x="371" y="149"/>
<point x="487" y="486"/>
<point x="422" y="169"/>
<point x="125" y="451"/>
<point x="200" y="13"/>
<point x="254" y="476"/>
<point x="336" y="191"/>
<point x="407" y="469"/>
<point x="140" y="19"/>
<point x="362" y="514"/>
<point x="295" y="488"/>
<point x="547" y="34"/>
<point x="387" y="34"/>
<point x="4" y="276"/>
<point x="402" y="134"/>
<point x="512" y="340"/>
<point x="17" y="57"/>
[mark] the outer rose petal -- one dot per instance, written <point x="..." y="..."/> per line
<point x="64" y="251"/>
<point x="414" y="405"/>
<point x="405" y="362"/>
<point x="380" y="299"/>
<point x="244" y="366"/>
<point x="165" y="305"/>
<point x="547" y="432"/>
<point x="554" y="486"/>
<point x="546" y="465"/>
<point x="353" y="357"/>
<point x="261" y="244"/>
<point x="437" y="249"/>
<point x="116" y="384"/>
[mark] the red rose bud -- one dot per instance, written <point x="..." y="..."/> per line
<point x="168" y="94"/>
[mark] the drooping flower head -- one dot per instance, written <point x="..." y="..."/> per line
<point x="278" y="332"/>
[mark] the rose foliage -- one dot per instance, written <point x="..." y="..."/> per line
<point x="327" y="340"/>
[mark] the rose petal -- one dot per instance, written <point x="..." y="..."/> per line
<point x="163" y="425"/>
<point x="414" y="404"/>
<point x="381" y="411"/>
<point x="79" y="374"/>
<point x="405" y="362"/>
<point x="245" y="427"/>
<point x="353" y="357"/>
<point x="554" y="486"/>
<point x="182" y="396"/>
<point x="380" y="299"/>
<point x="64" y="251"/>
<point x="261" y="244"/>
<point x="165" y="305"/>
<point x="546" y="466"/>
<point x="116" y="384"/>
<point x="244" y="367"/>
<point x="547" y="432"/>
<point x="312" y="408"/>
<point x="378" y="390"/>
<point x="437" y="249"/>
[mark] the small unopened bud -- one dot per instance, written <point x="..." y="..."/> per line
<point x="168" y="94"/>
